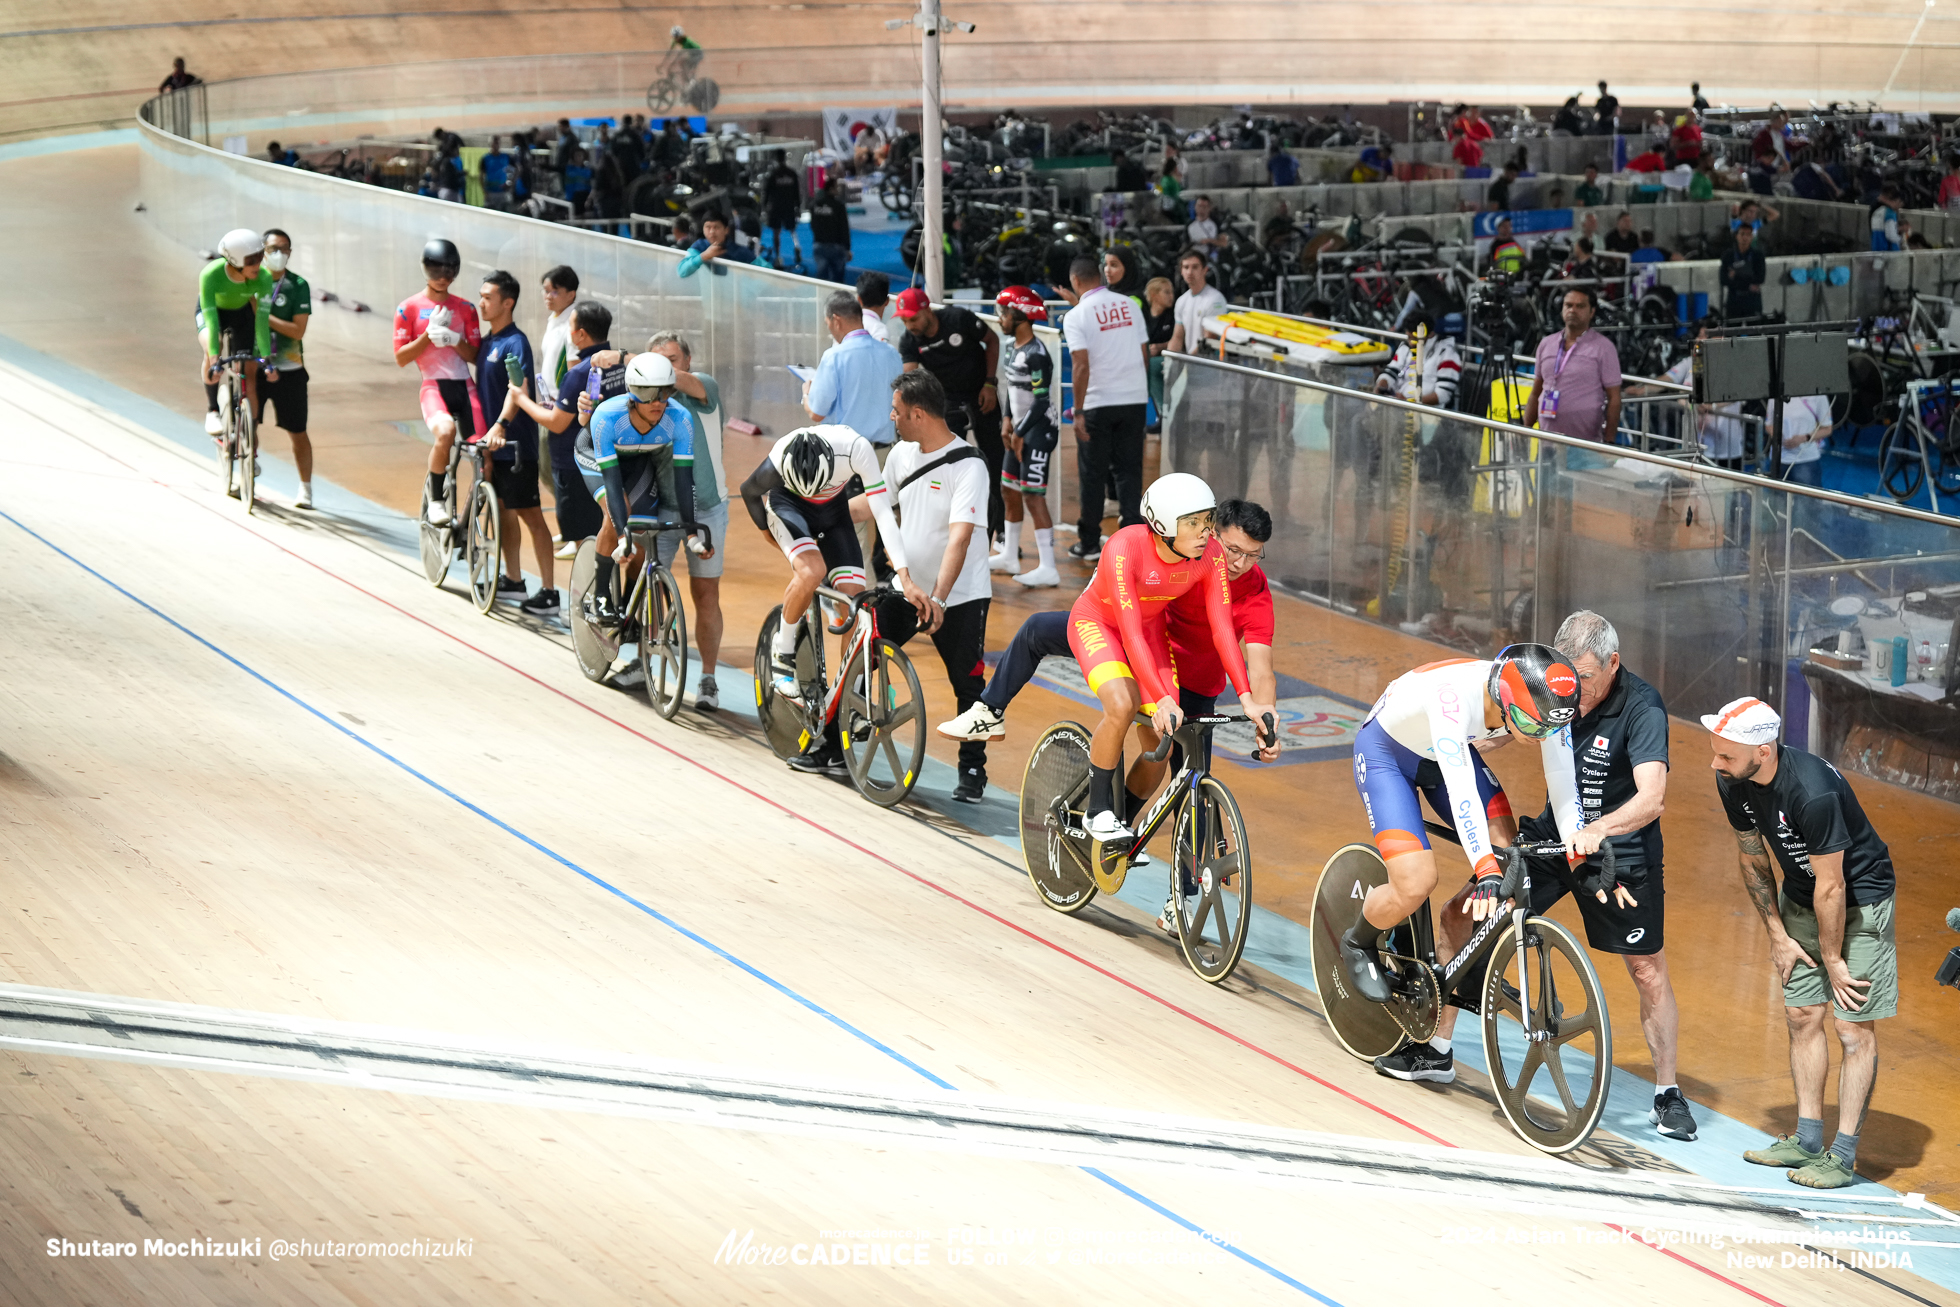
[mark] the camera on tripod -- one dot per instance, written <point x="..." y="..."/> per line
<point x="1491" y="300"/>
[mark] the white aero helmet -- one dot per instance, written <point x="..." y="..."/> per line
<point x="648" y="373"/>
<point x="240" y="244"/>
<point x="675" y="30"/>
<point x="1172" y="496"/>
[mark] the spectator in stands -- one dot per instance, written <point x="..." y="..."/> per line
<point x="1589" y="226"/>
<point x="1569" y="120"/>
<point x="853" y="385"/>
<point x="1658" y="134"/>
<point x="1684" y="142"/>
<point x="1948" y="196"/>
<point x="1470" y="132"/>
<point x="578" y="180"/>
<point x="716" y="244"/>
<point x="874" y="292"/>
<point x="830" y="231"/>
<point x="1743" y="273"/>
<point x="1701" y="186"/>
<point x="1582" y="266"/>
<point x="494" y="175"/>
<point x="1105" y="336"/>
<point x="1622" y="239"/>
<point x="1588" y="192"/>
<point x="1648" y="251"/>
<point x="1555" y="198"/>
<point x="1575" y="386"/>
<point x="1885" y="220"/>
<point x="1202" y="230"/>
<point x="782" y="208"/>
<point x="1499" y="194"/>
<point x="1807" y="424"/>
<point x="1170" y="191"/>
<point x="1159" y="323"/>
<point x="1700" y="100"/>
<point x="563" y="145"/>
<point x="279" y="154"/>
<point x="1506" y="255"/>
<point x="1606" y="113"/>
<point x="682" y="236"/>
<point x="179" y="78"/>
<point x="608" y="185"/>
<point x="1130" y="175"/>
<point x="628" y="146"/>
<point x="1772" y="140"/>
<point x="1282" y="169"/>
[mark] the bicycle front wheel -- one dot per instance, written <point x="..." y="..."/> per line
<point x="247" y="446"/>
<point x="1550" y="1074"/>
<point x="883" y="724"/>
<point x="484" y="546"/>
<point x="1213" y="881"/>
<point x="663" y="643"/>
<point x="1054" y="845"/>
<point x="663" y="95"/>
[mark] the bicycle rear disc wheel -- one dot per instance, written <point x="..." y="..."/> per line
<point x="484" y="546"/>
<point x="1212" y="888"/>
<point x="1365" y="1029"/>
<point x="782" y="719"/>
<point x="1055" y="847"/>
<point x="594" y="646"/>
<point x="663" y="644"/>
<point x="1552" y="1090"/>
<point x="883" y="724"/>
<point x="437" y="549"/>
<point x="248" y="457"/>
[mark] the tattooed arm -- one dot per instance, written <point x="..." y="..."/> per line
<point x="1759" y="879"/>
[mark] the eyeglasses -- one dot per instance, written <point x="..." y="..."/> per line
<point x="652" y="394"/>
<point x="1245" y="555"/>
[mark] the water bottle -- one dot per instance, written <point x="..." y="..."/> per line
<point x="1898" y="660"/>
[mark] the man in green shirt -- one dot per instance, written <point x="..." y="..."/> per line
<point x="291" y="301"/>
<point x="232" y="296"/>
<point x="1702" y="185"/>
<point x="1587" y="192"/>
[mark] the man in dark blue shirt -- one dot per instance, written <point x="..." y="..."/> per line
<point x="578" y="512"/>
<point x="505" y="355"/>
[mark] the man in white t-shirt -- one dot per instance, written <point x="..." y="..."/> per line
<point x="939" y="484"/>
<point x="1202" y="230"/>
<point x="1199" y="301"/>
<point x="874" y="297"/>
<point x="1110" y="381"/>
<point x="555" y="358"/>
<point x="1806" y="424"/>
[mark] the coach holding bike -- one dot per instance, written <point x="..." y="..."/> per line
<point x="1619" y="753"/>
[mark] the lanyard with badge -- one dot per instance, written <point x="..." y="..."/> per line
<point x="1548" y="402"/>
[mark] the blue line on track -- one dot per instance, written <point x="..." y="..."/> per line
<point x="623" y="896"/>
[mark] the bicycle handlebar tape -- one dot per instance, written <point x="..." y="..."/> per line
<point x="1513" y="880"/>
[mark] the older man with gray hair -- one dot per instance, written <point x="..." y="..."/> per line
<point x="1619" y="747"/>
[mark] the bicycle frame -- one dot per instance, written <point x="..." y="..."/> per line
<point x="644" y="538"/>
<point x="863" y="634"/>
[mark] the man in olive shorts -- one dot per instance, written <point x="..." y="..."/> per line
<point x="1830" y="931"/>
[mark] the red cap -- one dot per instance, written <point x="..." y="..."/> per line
<point x="911" y="303"/>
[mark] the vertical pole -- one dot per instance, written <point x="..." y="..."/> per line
<point x="932" y="260"/>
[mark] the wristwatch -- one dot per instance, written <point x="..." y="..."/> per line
<point x="936" y="599"/>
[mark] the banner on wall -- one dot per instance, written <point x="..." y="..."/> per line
<point x="841" y="127"/>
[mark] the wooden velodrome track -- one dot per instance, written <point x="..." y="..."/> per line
<point x="262" y="767"/>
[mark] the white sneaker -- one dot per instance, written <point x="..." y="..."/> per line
<point x="567" y="550"/>
<point x="439" y="514"/>
<point x="1003" y="562"/>
<point x="1104" y="828"/>
<point x="213" y="424"/>
<point x="304" y="499"/>
<point x="977" y="723"/>
<point x="783" y="679"/>
<point x="1040" y="578"/>
<point x="1167" y="919"/>
<point x="708" y="697"/>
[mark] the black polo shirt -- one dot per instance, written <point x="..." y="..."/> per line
<point x="1629" y="727"/>
<point x="956" y="353"/>
<point x="1808" y="809"/>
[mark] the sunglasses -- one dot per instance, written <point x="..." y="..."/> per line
<point x="652" y="394"/>
<point x="1530" y="729"/>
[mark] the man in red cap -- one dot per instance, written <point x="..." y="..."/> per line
<point x="964" y="354"/>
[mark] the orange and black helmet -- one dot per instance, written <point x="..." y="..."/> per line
<point x="1536" y="690"/>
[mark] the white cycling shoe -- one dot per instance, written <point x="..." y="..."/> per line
<point x="783" y="679"/>
<point x="304" y="499"/>
<point x="1040" y="578"/>
<point x="439" y="514"/>
<point x="213" y="424"/>
<point x="1105" y="828"/>
<point x="1003" y="562"/>
<point x="977" y="723"/>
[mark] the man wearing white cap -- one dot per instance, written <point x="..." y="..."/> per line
<point x="1830" y="931"/>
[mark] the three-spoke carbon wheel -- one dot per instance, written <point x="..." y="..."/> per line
<point x="484" y="545"/>
<point x="883" y="724"/>
<point x="663" y="643"/>
<point x="1054" y="845"/>
<point x="1552" y="1083"/>
<point x="1212" y="880"/>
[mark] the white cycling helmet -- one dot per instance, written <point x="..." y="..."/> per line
<point x="1175" y="495"/>
<point x="240" y="244"/>
<point x="675" y="30"/>
<point x="805" y="463"/>
<point x="646" y="373"/>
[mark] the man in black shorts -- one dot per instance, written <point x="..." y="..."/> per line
<point x="513" y="440"/>
<point x="964" y="353"/>
<point x="578" y="511"/>
<point x="1619" y="747"/>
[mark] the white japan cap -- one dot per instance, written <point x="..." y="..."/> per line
<point x="1746" y="721"/>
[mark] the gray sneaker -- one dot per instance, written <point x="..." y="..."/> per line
<point x="708" y="697"/>
<point x="1418" y="1062"/>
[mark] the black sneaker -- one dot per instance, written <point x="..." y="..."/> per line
<point x="1363" y="963"/>
<point x="824" y="762"/>
<point x="542" y="604"/>
<point x="972" y="787"/>
<point x="509" y="591"/>
<point x="1418" y="1062"/>
<point x="1085" y="553"/>
<point x="1671" y="1116"/>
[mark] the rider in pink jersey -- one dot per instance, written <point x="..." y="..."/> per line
<point x="439" y="333"/>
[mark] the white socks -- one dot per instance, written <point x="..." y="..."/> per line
<point x="1011" y="547"/>
<point x="1440" y="1045"/>
<point x="1044" y="540"/>
<point x="783" y="643"/>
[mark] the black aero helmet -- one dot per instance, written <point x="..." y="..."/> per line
<point x="805" y="463"/>
<point x="1536" y="690"/>
<point x="442" y="254"/>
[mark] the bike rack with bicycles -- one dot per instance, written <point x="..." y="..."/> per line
<point x="876" y="700"/>
<point x="477" y="534"/>
<point x="1211" y="862"/>
<point x="654" y="606"/>
<point x="1551" y="969"/>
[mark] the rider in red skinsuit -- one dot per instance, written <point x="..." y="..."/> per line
<point x="1117" y="625"/>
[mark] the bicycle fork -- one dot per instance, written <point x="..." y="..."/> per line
<point x="1533" y="1032"/>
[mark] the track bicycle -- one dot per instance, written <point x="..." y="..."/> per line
<point x="1526" y="968"/>
<point x="1211" y="885"/>
<point x="651" y="618"/>
<point x="874" y="700"/>
<point x="477" y="534"/>
<point x="238" y="443"/>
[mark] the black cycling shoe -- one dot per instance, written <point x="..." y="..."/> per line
<point x="599" y="611"/>
<point x="1671" y="1115"/>
<point x="1361" y="959"/>
<point x="1085" y="553"/>
<point x="824" y="762"/>
<point x="972" y="787"/>
<point x="1418" y="1062"/>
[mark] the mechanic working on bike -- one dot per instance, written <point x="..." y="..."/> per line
<point x="234" y="293"/>
<point x="1423" y="735"/>
<point x="1118" y="629"/>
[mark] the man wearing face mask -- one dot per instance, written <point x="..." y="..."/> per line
<point x="292" y="306"/>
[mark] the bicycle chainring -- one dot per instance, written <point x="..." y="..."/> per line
<point x="1414" y="1000"/>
